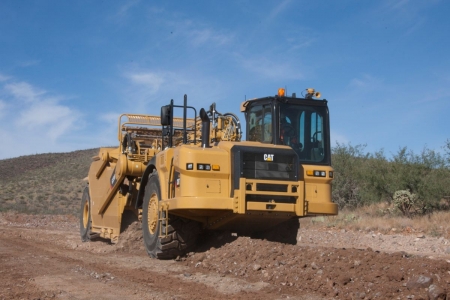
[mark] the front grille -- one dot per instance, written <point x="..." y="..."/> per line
<point x="281" y="168"/>
<point x="264" y="164"/>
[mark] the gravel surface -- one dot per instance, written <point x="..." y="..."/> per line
<point x="42" y="257"/>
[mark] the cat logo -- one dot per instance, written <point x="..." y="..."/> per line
<point x="268" y="157"/>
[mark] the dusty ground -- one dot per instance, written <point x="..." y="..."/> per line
<point x="41" y="257"/>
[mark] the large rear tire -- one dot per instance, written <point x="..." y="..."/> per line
<point x="181" y="233"/>
<point x="85" y="216"/>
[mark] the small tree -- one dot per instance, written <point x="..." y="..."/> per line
<point x="405" y="201"/>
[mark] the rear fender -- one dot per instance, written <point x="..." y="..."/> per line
<point x="148" y="170"/>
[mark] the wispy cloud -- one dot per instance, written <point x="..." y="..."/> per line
<point x="150" y="80"/>
<point x="30" y="114"/>
<point x="199" y="37"/>
<point x="365" y="83"/>
<point x="110" y="117"/>
<point x="405" y="14"/>
<point x="198" y="34"/>
<point x="147" y="90"/>
<point x="440" y="94"/>
<point x="152" y="86"/>
<point x="121" y="15"/>
<point x="24" y="91"/>
<point x="127" y="6"/>
<point x="56" y="119"/>
<point x="29" y="63"/>
<point x="282" y="6"/>
<point x="295" y="44"/>
<point x="397" y="5"/>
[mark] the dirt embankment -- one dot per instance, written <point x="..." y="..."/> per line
<point x="41" y="257"/>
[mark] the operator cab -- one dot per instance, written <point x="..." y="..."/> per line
<point x="301" y="123"/>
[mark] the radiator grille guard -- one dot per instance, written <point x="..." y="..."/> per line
<point x="270" y="164"/>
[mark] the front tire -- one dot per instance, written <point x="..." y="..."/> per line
<point x="181" y="233"/>
<point x="85" y="216"/>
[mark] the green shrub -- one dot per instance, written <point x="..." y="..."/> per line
<point x="347" y="163"/>
<point x="363" y="178"/>
<point x="405" y="201"/>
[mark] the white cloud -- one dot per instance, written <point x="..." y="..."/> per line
<point x="56" y="119"/>
<point x="295" y="44"/>
<point x="110" y="118"/>
<point x="29" y="63"/>
<point x="123" y="12"/>
<point x="405" y="14"/>
<point x="24" y="91"/>
<point x="199" y="37"/>
<point x="279" y="9"/>
<point x="33" y="120"/>
<point x="127" y="6"/>
<point x="151" y="80"/>
<point x="366" y="82"/>
<point x="145" y="85"/>
<point x="146" y="91"/>
<point x="397" y="5"/>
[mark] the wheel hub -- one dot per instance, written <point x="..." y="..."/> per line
<point x="86" y="214"/>
<point x="152" y="214"/>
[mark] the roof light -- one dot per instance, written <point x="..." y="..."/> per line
<point x="281" y="92"/>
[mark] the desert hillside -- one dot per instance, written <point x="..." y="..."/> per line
<point x="49" y="183"/>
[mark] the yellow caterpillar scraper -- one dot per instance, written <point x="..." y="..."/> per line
<point x="182" y="175"/>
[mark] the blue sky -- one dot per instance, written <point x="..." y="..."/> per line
<point x="68" y="69"/>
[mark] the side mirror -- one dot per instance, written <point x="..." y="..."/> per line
<point x="166" y="115"/>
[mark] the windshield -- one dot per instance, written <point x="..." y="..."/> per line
<point x="260" y="123"/>
<point x="305" y="129"/>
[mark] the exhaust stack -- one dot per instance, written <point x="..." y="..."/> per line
<point x="205" y="128"/>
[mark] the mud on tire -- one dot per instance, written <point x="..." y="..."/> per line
<point x="181" y="233"/>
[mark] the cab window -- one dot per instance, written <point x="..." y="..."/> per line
<point x="260" y="123"/>
<point x="302" y="128"/>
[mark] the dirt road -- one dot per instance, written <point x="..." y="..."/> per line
<point x="41" y="257"/>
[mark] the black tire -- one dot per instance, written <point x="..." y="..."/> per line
<point x="85" y="216"/>
<point x="181" y="233"/>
